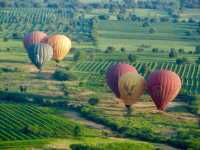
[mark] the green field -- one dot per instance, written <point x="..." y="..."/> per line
<point x="53" y="113"/>
<point x="189" y="73"/>
<point x="133" y="35"/>
<point x="25" y="122"/>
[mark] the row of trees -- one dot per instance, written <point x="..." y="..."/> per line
<point x="111" y="5"/>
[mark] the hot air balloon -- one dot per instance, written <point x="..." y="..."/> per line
<point x="163" y="86"/>
<point x="114" y="73"/>
<point x="40" y="54"/>
<point x="34" y="38"/>
<point x="131" y="87"/>
<point x="61" y="46"/>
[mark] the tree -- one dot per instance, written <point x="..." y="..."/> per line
<point x="181" y="50"/>
<point x="152" y="30"/>
<point x="197" y="49"/>
<point x="23" y="88"/>
<point x="63" y="75"/>
<point x="172" y="53"/>
<point x="77" y="131"/>
<point x="103" y="17"/>
<point x="145" y="24"/>
<point x="123" y="49"/>
<point x="110" y="49"/>
<point x="15" y="36"/>
<point x="155" y="50"/>
<point x="132" y="57"/>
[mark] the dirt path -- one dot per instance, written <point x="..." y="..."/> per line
<point x="76" y="116"/>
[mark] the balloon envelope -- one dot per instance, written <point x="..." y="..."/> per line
<point x="131" y="87"/>
<point x="114" y="73"/>
<point x="34" y="38"/>
<point x="40" y="54"/>
<point x="61" y="46"/>
<point x="163" y="86"/>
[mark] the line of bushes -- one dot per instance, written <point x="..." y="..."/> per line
<point x="10" y="69"/>
<point x="20" y="97"/>
<point x="114" y="146"/>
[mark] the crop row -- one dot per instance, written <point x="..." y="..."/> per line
<point x="15" y="118"/>
<point x="189" y="73"/>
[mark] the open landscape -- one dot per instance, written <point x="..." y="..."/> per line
<point x="57" y="96"/>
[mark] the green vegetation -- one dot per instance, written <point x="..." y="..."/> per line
<point x="113" y="146"/>
<point x="189" y="73"/>
<point x="147" y="34"/>
<point x="133" y="35"/>
<point x="25" y="122"/>
<point x="63" y="75"/>
<point x="151" y="127"/>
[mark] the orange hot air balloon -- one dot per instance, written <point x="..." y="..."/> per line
<point x="34" y="38"/>
<point x="163" y="86"/>
<point x="61" y="46"/>
<point x="131" y="87"/>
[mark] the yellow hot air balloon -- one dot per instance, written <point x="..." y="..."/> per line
<point x="61" y="46"/>
<point x="131" y="87"/>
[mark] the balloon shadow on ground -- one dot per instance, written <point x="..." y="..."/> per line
<point x="178" y="108"/>
<point x="42" y="75"/>
<point x="13" y="61"/>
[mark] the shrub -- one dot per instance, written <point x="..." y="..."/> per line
<point x="93" y="101"/>
<point x="132" y="57"/>
<point x="77" y="131"/>
<point x="63" y="75"/>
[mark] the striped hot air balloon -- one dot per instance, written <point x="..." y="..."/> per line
<point x="163" y="86"/>
<point x="114" y="73"/>
<point x="131" y="87"/>
<point x="34" y="38"/>
<point x="61" y="46"/>
<point x="40" y="54"/>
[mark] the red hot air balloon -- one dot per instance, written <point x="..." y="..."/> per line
<point x="114" y="73"/>
<point x="34" y="38"/>
<point x="163" y="86"/>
